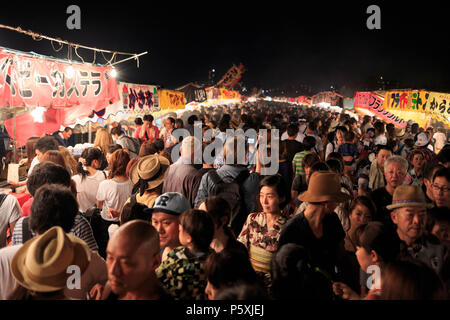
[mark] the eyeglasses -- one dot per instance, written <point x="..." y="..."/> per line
<point x="437" y="188"/>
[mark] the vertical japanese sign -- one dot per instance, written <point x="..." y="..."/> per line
<point x="233" y="75"/>
<point x="171" y="100"/>
<point x="34" y="81"/>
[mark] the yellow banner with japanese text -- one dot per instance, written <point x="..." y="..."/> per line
<point x="171" y="100"/>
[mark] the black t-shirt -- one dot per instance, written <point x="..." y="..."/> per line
<point x="382" y="198"/>
<point x="323" y="252"/>
<point x="292" y="147"/>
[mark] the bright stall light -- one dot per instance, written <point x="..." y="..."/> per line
<point x="70" y="72"/>
<point x="38" y="114"/>
<point x="113" y="73"/>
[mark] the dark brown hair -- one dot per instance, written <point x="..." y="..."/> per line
<point x="119" y="162"/>
<point x="411" y="280"/>
<point x="199" y="225"/>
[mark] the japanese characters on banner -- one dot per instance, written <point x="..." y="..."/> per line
<point x="139" y="98"/>
<point x="233" y="75"/>
<point x="304" y="100"/>
<point x="374" y="103"/>
<point x="228" y="94"/>
<point x="430" y="104"/>
<point x="213" y="93"/>
<point x="35" y="81"/>
<point x="171" y="100"/>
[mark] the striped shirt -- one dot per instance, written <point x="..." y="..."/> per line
<point x="298" y="161"/>
<point x="81" y="229"/>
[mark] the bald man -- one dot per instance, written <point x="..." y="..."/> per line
<point x="132" y="257"/>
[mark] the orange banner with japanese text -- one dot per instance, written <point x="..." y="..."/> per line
<point x="171" y="100"/>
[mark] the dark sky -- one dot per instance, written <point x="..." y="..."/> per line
<point x="280" y="43"/>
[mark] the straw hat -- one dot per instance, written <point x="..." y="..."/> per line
<point x="149" y="172"/>
<point x="41" y="263"/>
<point x="408" y="196"/>
<point x="400" y="133"/>
<point x="324" y="186"/>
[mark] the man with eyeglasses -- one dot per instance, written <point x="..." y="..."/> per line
<point x="409" y="214"/>
<point x="440" y="187"/>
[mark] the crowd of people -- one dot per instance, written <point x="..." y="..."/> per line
<point x="356" y="209"/>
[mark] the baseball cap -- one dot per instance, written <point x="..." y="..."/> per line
<point x="171" y="203"/>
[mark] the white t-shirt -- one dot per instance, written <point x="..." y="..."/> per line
<point x="10" y="211"/>
<point x="96" y="272"/>
<point x="380" y="140"/>
<point x="114" y="193"/>
<point x="440" y="140"/>
<point x="87" y="189"/>
<point x="319" y="143"/>
<point x="32" y="165"/>
<point x="299" y="137"/>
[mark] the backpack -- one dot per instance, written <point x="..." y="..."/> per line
<point x="136" y="143"/>
<point x="231" y="190"/>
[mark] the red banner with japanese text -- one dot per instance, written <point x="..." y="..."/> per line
<point x="34" y="81"/>
<point x="374" y="103"/>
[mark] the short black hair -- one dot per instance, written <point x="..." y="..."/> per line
<point x="47" y="173"/>
<point x="134" y="211"/>
<point x="53" y="205"/>
<point x="138" y="121"/>
<point x="292" y="130"/>
<point x="309" y="142"/>
<point x="148" y="117"/>
<point x="380" y="147"/>
<point x="280" y="185"/>
<point x="442" y="172"/>
<point x="67" y="129"/>
<point x="46" y="143"/>
<point x="116" y="130"/>
<point x="192" y="119"/>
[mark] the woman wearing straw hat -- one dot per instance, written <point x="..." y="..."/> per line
<point x="41" y="265"/>
<point x="147" y="175"/>
<point x="318" y="228"/>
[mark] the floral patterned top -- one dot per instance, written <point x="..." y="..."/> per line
<point x="255" y="231"/>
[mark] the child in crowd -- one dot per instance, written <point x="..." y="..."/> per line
<point x="183" y="272"/>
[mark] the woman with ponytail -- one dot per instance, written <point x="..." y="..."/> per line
<point x="111" y="196"/>
<point x="88" y="177"/>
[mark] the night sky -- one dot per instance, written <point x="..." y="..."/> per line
<point x="281" y="44"/>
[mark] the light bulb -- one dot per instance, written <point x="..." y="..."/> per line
<point x="113" y="73"/>
<point x="70" y="72"/>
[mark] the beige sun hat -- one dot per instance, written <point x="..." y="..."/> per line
<point x="408" y="196"/>
<point x="324" y="186"/>
<point x="149" y="171"/>
<point x="41" y="263"/>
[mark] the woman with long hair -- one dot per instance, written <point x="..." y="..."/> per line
<point x="88" y="177"/>
<point x="111" y="196"/>
<point x="103" y="140"/>
<point x="70" y="160"/>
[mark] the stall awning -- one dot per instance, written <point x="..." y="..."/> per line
<point x="64" y="92"/>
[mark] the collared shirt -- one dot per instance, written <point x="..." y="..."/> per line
<point x="182" y="274"/>
<point x="255" y="231"/>
<point x="426" y="249"/>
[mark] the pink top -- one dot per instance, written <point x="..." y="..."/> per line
<point x="144" y="139"/>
